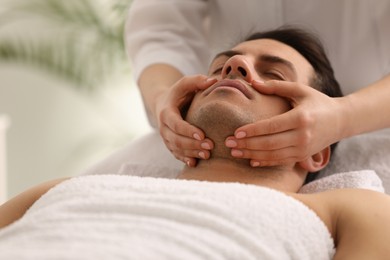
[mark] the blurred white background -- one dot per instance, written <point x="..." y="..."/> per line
<point x="60" y="125"/>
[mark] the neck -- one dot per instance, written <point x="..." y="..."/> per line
<point x="219" y="120"/>
<point x="283" y="178"/>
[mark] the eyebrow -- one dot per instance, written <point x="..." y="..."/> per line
<point x="264" y="58"/>
<point x="277" y="59"/>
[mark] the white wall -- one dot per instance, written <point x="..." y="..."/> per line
<point x="58" y="131"/>
<point x="4" y="123"/>
<point x="55" y="129"/>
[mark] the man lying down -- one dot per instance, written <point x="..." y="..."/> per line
<point x="223" y="208"/>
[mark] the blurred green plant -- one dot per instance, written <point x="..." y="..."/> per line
<point x="80" y="41"/>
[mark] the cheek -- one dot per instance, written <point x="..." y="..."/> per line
<point x="285" y="104"/>
<point x="281" y="105"/>
<point x="190" y="108"/>
<point x="272" y="106"/>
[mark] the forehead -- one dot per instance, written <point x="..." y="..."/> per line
<point x="269" y="47"/>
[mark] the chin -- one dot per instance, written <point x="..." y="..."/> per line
<point x="219" y="119"/>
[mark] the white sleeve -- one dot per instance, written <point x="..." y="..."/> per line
<point x="167" y="31"/>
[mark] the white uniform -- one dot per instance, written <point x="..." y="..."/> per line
<point x="188" y="33"/>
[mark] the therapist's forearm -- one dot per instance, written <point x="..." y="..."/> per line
<point x="368" y="109"/>
<point x="153" y="82"/>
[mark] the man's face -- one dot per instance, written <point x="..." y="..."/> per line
<point x="235" y="69"/>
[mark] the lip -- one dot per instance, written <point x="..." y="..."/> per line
<point x="237" y="84"/>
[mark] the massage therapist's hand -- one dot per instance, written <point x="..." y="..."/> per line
<point x="314" y="122"/>
<point x="185" y="141"/>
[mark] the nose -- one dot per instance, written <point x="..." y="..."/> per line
<point x="237" y="67"/>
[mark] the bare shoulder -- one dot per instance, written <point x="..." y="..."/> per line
<point x="363" y="225"/>
<point x="17" y="206"/>
<point x="360" y="220"/>
<point x="345" y="201"/>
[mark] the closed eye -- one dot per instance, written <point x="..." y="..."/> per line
<point x="217" y="71"/>
<point x="274" y="75"/>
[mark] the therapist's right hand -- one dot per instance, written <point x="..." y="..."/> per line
<point x="185" y="141"/>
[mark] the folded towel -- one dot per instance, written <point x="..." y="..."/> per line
<point x="127" y="217"/>
<point x="365" y="179"/>
<point x="368" y="151"/>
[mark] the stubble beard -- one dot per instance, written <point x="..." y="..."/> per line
<point x="219" y="120"/>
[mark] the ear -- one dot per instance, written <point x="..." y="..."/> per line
<point x="317" y="161"/>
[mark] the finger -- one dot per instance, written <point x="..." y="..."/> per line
<point x="184" y="142"/>
<point x="182" y="146"/>
<point x="186" y="90"/>
<point x="276" y="124"/>
<point x="264" y="143"/>
<point x="189" y="85"/>
<point x="206" y="83"/>
<point x="197" y="154"/>
<point x="285" y="89"/>
<point x="171" y="118"/>
<point x="261" y="156"/>
<point x="255" y="163"/>
<point x="188" y="156"/>
<point x="190" y="162"/>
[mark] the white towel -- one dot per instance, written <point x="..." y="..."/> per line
<point x="364" y="179"/>
<point x="368" y="151"/>
<point x="127" y="217"/>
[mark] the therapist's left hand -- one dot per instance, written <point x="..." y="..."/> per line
<point x="314" y="122"/>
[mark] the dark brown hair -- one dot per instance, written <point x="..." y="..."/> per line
<point x="312" y="49"/>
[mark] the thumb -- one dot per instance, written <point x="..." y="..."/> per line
<point x="192" y="84"/>
<point x="186" y="88"/>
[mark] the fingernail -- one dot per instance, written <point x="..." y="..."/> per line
<point x="240" y="134"/>
<point x="237" y="153"/>
<point x="231" y="143"/>
<point x="255" y="164"/>
<point x="187" y="161"/>
<point x="258" y="81"/>
<point x="202" y="155"/>
<point x="210" y="79"/>
<point x="205" y="146"/>
<point x="196" y="136"/>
